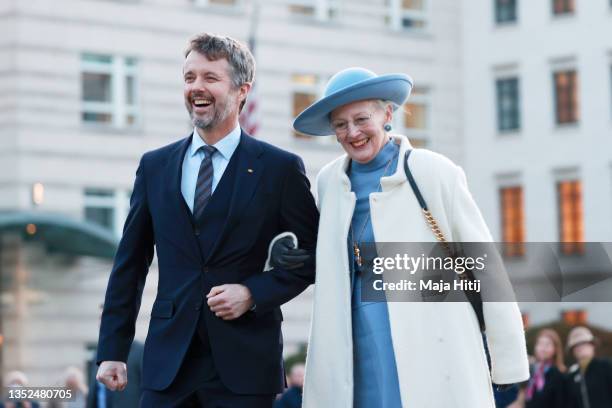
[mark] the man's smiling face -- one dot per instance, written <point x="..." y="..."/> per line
<point x="210" y="95"/>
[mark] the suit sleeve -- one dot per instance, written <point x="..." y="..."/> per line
<point x="504" y="327"/>
<point x="298" y="214"/>
<point x="127" y="279"/>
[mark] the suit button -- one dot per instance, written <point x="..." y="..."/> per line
<point x="196" y="232"/>
<point x="205" y="269"/>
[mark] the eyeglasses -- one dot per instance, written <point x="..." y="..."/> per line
<point x="341" y="127"/>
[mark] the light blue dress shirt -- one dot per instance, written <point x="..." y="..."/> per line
<point x="194" y="156"/>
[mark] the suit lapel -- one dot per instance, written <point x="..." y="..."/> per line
<point x="178" y="209"/>
<point x="249" y="167"/>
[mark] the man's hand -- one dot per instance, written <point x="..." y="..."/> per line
<point x="113" y="374"/>
<point x="229" y="301"/>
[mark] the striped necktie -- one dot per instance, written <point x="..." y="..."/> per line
<point x="203" y="189"/>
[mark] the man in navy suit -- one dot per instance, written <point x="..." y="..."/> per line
<point x="210" y="204"/>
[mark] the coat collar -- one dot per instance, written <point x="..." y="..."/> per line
<point x="387" y="183"/>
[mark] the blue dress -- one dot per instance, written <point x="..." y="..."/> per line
<point x="376" y="384"/>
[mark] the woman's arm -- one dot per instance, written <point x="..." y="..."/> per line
<point x="504" y="326"/>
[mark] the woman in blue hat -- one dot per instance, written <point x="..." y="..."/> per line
<point x="394" y="354"/>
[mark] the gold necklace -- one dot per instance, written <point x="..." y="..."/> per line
<point x="356" y="249"/>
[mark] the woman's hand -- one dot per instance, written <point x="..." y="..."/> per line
<point x="285" y="255"/>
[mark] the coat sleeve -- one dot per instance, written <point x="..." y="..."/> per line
<point x="320" y="188"/>
<point x="504" y="327"/>
<point x="127" y="278"/>
<point x="298" y="214"/>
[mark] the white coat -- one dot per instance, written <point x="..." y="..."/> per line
<point x="438" y="347"/>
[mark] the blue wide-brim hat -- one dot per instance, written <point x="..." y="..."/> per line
<point x="351" y="85"/>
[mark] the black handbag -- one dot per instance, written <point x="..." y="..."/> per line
<point x="474" y="297"/>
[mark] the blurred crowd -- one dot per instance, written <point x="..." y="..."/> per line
<point x="587" y="383"/>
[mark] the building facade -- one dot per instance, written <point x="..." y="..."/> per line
<point x="88" y="86"/>
<point x="538" y="126"/>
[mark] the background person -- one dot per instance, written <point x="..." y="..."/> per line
<point x="546" y="386"/>
<point x="292" y="397"/>
<point x="17" y="379"/>
<point x="590" y="379"/>
<point x="74" y="380"/>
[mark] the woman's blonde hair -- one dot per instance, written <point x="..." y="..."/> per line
<point x="554" y="337"/>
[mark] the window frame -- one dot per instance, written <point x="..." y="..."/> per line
<point x="421" y="95"/>
<point x="500" y="112"/>
<point x="516" y="246"/>
<point x="119" y="68"/>
<point x="568" y="8"/>
<point x="323" y="10"/>
<point x="573" y="107"/>
<point x="316" y="89"/>
<point x="396" y="14"/>
<point x="118" y="201"/>
<point x="576" y="245"/>
<point x="497" y="13"/>
<point x="210" y="4"/>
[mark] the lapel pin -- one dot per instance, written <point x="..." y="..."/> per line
<point x="250" y="170"/>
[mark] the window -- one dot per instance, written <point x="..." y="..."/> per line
<point x="109" y="90"/>
<point x="505" y="11"/>
<point x="106" y="208"/>
<point x="571" y="227"/>
<point x="561" y="7"/>
<point x="305" y="92"/>
<point x="100" y="207"/>
<point x="512" y="220"/>
<point x="414" y="117"/>
<point x="566" y="97"/>
<point x="575" y="317"/>
<point x="321" y="10"/>
<point x="221" y="3"/>
<point x="508" y="104"/>
<point x="408" y="15"/>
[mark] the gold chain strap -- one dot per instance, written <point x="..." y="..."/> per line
<point x="435" y="228"/>
<point x="433" y="224"/>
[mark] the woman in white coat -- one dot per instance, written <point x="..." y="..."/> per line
<point x="394" y="354"/>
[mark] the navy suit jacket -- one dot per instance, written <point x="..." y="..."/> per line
<point x="270" y="194"/>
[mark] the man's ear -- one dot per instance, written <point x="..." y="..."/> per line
<point x="244" y="90"/>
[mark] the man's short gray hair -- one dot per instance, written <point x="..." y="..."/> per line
<point x="237" y="54"/>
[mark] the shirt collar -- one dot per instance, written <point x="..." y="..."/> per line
<point x="226" y="146"/>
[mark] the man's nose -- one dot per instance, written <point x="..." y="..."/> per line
<point x="197" y="85"/>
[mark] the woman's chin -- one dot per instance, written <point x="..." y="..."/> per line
<point x="362" y="156"/>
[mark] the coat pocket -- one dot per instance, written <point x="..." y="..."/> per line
<point x="163" y="309"/>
